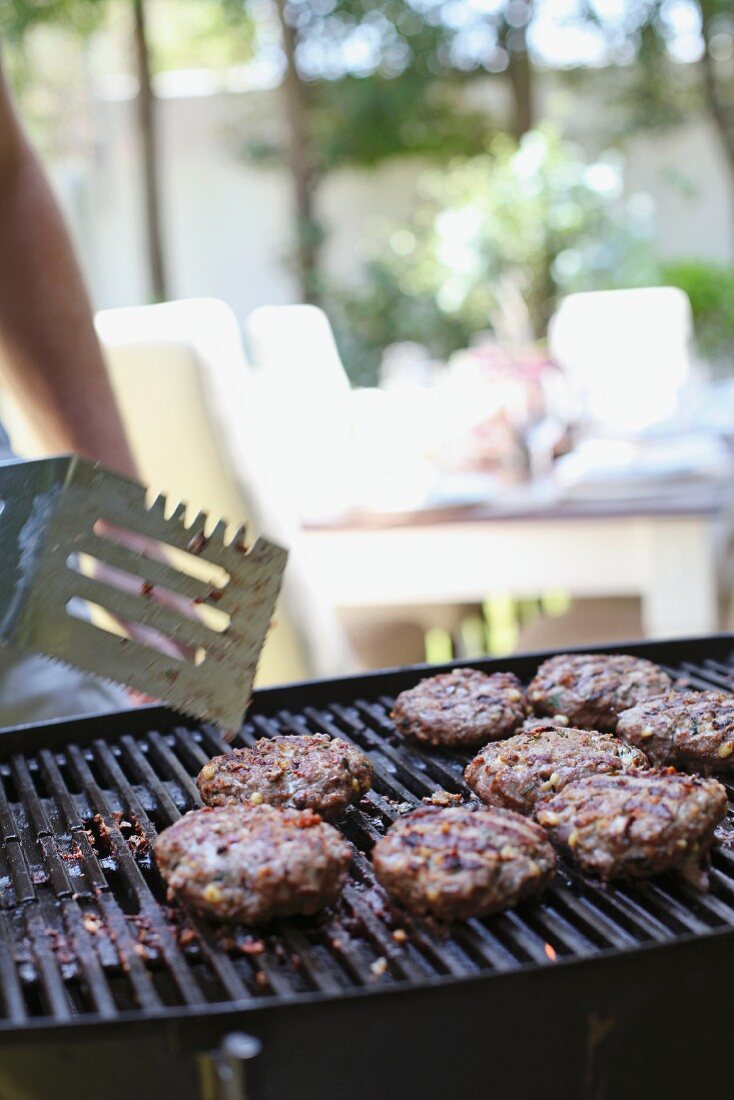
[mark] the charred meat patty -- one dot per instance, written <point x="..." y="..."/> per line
<point x="591" y="690"/>
<point x="535" y="765"/>
<point x="251" y="864"/>
<point x="458" y="863"/>
<point x="690" y="729"/>
<point x="636" y="824"/>
<point x="303" y="772"/>
<point x="463" y="707"/>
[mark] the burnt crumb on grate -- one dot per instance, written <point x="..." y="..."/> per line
<point x="177" y="922"/>
<point x="442" y="798"/>
<point x="130" y="828"/>
<point x="147" y="941"/>
<point x="724" y="834"/>
<point x="62" y="949"/>
<point x="237" y="941"/>
<point x="93" y="924"/>
<point x="74" y="854"/>
<point x="186" y="937"/>
<point x="232" y="939"/>
<point x="24" y="956"/>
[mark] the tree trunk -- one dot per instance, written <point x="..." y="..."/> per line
<point x="521" y="75"/>
<point x="722" y="115"/>
<point x="300" y="163"/>
<point x="146" y="111"/>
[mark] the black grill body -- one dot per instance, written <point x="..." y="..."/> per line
<point x="106" y="991"/>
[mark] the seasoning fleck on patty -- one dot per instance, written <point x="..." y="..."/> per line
<point x="303" y="772"/>
<point x="591" y="690"/>
<point x="544" y="722"/>
<point x="463" y="707"/>
<point x="690" y="729"/>
<point x="458" y="863"/>
<point x="533" y="766"/>
<point x="251" y="864"/>
<point x="636" y="824"/>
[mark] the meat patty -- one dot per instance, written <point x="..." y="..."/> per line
<point x="458" y="863"/>
<point x="533" y="766"/>
<point x="636" y="824"/>
<point x="304" y="772"/>
<point x="251" y="864"/>
<point x="463" y="707"/>
<point x="690" y="729"/>
<point x="591" y="690"/>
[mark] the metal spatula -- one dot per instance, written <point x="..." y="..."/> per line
<point x="77" y="540"/>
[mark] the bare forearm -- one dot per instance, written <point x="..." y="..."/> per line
<point x="48" y="348"/>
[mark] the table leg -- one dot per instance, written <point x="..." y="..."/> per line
<point x="680" y="597"/>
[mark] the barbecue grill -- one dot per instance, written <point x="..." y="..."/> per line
<point x="106" y="991"/>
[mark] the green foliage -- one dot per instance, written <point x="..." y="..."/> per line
<point x="533" y="221"/>
<point x="365" y="120"/>
<point x="380" y="81"/>
<point x="198" y="34"/>
<point x="17" y="17"/>
<point x="383" y="312"/>
<point x="710" y="288"/>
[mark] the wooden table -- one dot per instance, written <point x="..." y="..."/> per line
<point x="665" y="551"/>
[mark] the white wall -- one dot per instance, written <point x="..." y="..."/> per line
<point x="228" y="223"/>
<point x="685" y="172"/>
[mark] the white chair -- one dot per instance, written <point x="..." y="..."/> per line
<point x="190" y="409"/>
<point x="307" y="400"/>
<point x="627" y="354"/>
<point x="296" y="346"/>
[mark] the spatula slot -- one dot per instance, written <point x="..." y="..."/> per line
<point x="183" y="561"/>
<point x="86" y="565"/>
<point x="94" y="614"/>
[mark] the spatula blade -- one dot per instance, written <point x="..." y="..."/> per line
<point x="51" y="522"/>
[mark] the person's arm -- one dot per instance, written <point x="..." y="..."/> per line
<point x="48" y="348"/>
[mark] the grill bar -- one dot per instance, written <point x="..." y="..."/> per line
<point x="86" y="931"/>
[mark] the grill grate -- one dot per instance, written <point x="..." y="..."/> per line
<point x="86" y="934"/>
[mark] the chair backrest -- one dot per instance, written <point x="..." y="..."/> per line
<point x="306" y="399"/>
<point x="627" y="353"/>
<point x="188" y="402"/>
<point x="296" y="346"/>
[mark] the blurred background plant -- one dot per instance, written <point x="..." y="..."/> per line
<point x="710" y="288"/>
<point x="495" y="241"/>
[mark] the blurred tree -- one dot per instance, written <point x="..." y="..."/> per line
<point x="498" y="238"/>
<point x="148" y="131"/>
<point x="513" y="21"/>
<point x="18" y="17"/>
<point x="301" y="154"/>
<point x="660" y="91"/>
<point x="366" y="80"/>
<point x="717" y="33"/>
